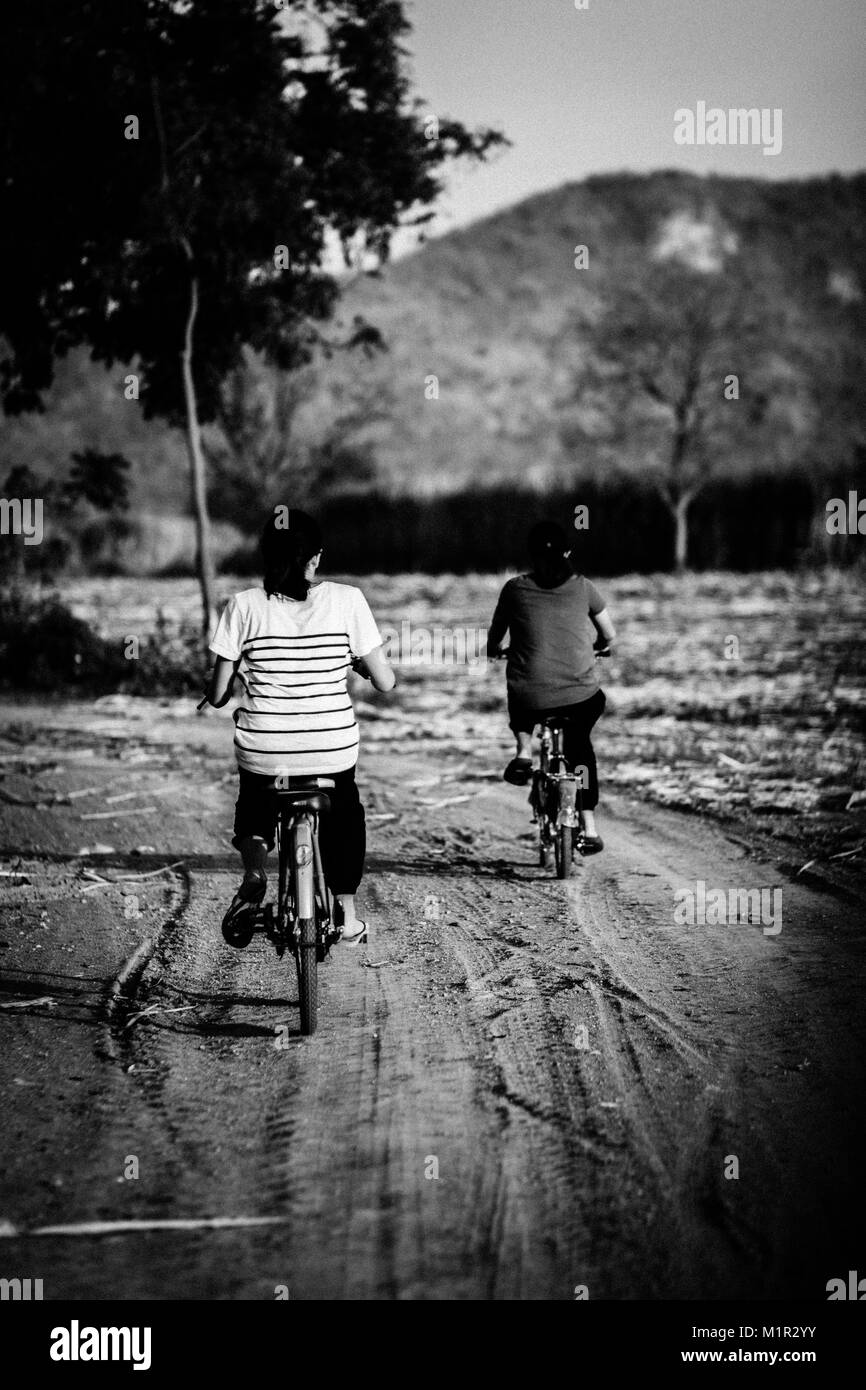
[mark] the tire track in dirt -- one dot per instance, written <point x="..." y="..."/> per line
<point x="121" y="993"/>
<point x="681" y="1018"/>
<point x="340" y="1128"/>
<point x="557" y="1095"/>
<point x="575" y="1065"/>
<point x="728" y="990"/>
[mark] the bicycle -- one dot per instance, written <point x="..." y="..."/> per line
<point x="556" y="804"/>
<point x="555" y="795"/>
<point x="303" y="918"/>
<point x="555" y="798"/>
<point x="304" y="915"/>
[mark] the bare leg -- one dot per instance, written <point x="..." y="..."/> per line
<point x="347" y="903"/>
<point x="524" y="746"/>
<point x="237" y="923"/>
<point x="354" y="930"/>
<point x="589" y="822"/>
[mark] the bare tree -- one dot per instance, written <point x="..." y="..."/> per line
<point x="255" y="452"/>
<point x="678" y="369"/>
<point x="252" y="447"/>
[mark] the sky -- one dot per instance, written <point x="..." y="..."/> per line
<point x="592" y="91"/>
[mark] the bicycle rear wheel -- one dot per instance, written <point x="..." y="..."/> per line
<point x="545" y="841"/>
<point x="562" y="845"/>
<point x="308" y="982"/>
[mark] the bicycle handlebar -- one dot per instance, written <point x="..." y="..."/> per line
<point x="599" y="651"/>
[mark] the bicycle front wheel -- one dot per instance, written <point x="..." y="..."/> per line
<point x="562" y="849"/>
<point x="308" y="984"/>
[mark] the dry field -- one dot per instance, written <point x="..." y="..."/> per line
<point x="741" y="696"/>
<point x="522" y="1087"/>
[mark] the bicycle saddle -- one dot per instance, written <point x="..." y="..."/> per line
<point x="306" y="791"/>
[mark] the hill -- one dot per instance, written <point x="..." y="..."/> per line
<point x="499" y="314"/>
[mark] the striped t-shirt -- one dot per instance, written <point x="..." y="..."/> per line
<point x="296" y="717"/>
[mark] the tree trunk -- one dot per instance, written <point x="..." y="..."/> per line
<point x="204" y="553"/>
<point x="678" y="497"/>
<point x="680" y="513"/>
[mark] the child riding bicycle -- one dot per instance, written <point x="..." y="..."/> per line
<point x="557" y="621"/>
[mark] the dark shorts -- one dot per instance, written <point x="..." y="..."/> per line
<point x="577" y="723"/>
<point x="342" y="830"/>
<point x="523" y="719"/>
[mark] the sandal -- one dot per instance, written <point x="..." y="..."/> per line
<point x="356" y="938"/>
<point x="352" y="938"/>
<point x="237" y="923"/>
<point x="518" y="772"/>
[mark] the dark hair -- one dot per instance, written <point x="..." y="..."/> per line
<point x="547" y="544"/>
<point x="289" y="542"/>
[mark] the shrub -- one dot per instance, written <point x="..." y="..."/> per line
<point x="171" y="662"/>
<point x="45" y="647"/>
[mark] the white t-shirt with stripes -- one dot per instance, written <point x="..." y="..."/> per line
<point x="296" y="717"/>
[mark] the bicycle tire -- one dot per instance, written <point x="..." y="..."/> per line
<point x="308" y="975"/>
<point x="284" y="914"/>
<point x="562" y="849"/>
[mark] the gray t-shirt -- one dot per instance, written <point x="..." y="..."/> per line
<point x="551" y="661"/>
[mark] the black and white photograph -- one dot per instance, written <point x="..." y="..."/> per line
<point x="432" y="669"/>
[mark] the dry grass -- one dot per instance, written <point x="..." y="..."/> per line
<point x="775" y="733"/>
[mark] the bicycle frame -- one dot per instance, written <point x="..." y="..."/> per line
<point x="556" y="794"/>
<point x="302" y="891"/>
<point x="557" y="801"/>
<point x="304" y="919"/>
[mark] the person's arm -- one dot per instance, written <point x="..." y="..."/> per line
<point x="603" y="626"/>
<point x="364" y="636"/>
<point x="601" y="620"/>
<point x="376" y="668"/>
<point x="227" y="645"/>
<point x="599" y="616"/>
<point x="222" y="680"/>
<point x="498" y="627"/>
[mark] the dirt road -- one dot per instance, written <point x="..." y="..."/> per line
<point x="521" y="1088"/>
